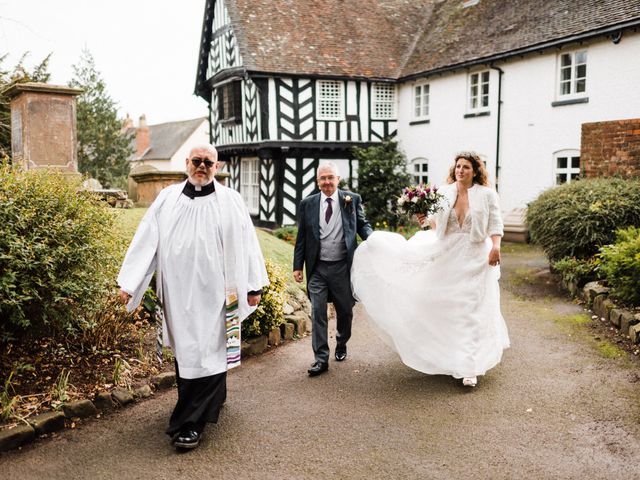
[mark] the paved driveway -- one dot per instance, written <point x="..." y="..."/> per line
<point x="554" y="408"/>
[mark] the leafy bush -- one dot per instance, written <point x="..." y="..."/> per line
<point x="576" y="219"/>
<point x="621" y="265"/>
<point x="578" y="271"/>
<point x="288" y="234"/>
<point x="269" y="314"/>
<point x="59" y="254"/>
<point x="381" y="177"/>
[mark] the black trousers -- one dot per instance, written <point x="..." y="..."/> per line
<point x="199" y="402"/>
<point x="330" y="281"/>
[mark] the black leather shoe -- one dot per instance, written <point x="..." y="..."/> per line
<point x="318" y="368"/>
<point x="187" y="439"/>
<point x="341" y="354"/>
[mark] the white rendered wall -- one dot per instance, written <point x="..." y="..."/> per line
<point x="200" y="136"/>
<point x="531" y="129"/>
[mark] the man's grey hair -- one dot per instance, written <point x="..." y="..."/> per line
<point x="329" y="166"/>
<point x="205" y="146"/>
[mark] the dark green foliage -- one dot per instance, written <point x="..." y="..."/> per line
<point x="578" y="271"/>
<point x="269" y="314"/>
<point x="18" y="74"/>
<point x="576" y="219"/>
<point x="288" y="234"/>
<point x="381" y="177"/>
<point x="59" y="254"/>
<point x="103" y="149"/>
<point x="620" y="264"/>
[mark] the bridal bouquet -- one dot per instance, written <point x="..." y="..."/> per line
<point x="420" y="199"/>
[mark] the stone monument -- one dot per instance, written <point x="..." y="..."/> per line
<point x="43" y="126"/>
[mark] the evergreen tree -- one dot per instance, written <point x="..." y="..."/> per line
<point x="8" y="78"/>
<point x="103" y="148"/>
<point x="382" y="175"/>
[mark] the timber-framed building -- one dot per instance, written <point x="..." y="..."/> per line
<point x="292" y="82"/>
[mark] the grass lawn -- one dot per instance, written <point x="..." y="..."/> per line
<point x="278" y="251"/>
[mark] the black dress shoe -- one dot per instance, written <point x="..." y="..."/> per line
<point x="341" y="354"/>
<point x="318" y="368"/>
<point x="187" y="439"/>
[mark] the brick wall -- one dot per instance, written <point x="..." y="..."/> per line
<point x="611" y="148"/>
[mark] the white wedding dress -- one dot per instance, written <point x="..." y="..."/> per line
<point x="435" y="301"/>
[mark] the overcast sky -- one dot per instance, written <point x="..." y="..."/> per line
<point x="146" y="50"/>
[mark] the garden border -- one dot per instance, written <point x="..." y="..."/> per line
<point x="297" y="322"/>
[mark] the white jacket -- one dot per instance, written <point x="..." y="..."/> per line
<point x="484" y="208"/>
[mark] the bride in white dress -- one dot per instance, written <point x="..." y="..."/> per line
<point x="435" y="298"/>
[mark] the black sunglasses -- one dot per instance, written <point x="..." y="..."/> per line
<point x="197" y="161"/>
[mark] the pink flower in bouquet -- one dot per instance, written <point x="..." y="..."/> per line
<point x="422" y="199"/>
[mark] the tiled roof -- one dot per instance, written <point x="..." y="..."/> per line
<point x="366" y="38"/>
<point x="398" y="38"/>
<point x="457" y="35"/>
<point x="166" y="138"/>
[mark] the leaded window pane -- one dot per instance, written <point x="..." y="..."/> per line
<point x="384" y="101"/>
<point x="330" y="100"/>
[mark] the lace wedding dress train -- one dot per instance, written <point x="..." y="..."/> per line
<point x="435" y="301"/>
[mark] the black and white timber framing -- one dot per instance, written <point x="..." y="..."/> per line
<point x="273" y="118"/>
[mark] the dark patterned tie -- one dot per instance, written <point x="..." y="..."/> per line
<point x="328" y="211"/>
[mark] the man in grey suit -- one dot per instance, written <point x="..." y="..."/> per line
<point x="327" y="225"/>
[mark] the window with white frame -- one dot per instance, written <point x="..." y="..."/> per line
<point x="478" y="91"/>
<point x="566" y="166"/>
<point x="250" y="183"/>
<point x="421" y="100"/>
<point x="420" y="171"/>
<point x="572" y="75"/>
<point x="384" y="101"/>
<point x="330" y="100"/>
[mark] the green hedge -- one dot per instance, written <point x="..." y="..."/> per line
<point x="576" y="219"/>
<point x="620" y="265"/>
<point x="578" y="271"/>
<point x="269" y="314"/>
<point x="59" y="253"/>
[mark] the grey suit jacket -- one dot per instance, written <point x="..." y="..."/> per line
<point x="307" y="249"/>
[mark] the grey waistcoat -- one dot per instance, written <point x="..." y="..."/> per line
<point x="332" y="245"/>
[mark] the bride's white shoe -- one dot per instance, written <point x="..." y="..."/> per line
<point x="470" y="382"/>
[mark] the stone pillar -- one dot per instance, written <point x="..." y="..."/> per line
<point x="43" y="126"/>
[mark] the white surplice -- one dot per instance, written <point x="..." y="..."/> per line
<point x="183" y="240"/>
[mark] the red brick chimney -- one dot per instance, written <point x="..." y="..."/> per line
<point x="142" y="137"/>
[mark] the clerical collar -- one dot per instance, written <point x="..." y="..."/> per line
<point x="192" y="191"/>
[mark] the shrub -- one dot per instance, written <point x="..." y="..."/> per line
<point x="578" y="271"/>
<point x="576" y="219"/>
<point x="381" y="178"/>
<point x="59" y="253"/>
<point x="621" y="265"/>
<point x="288" y="234"/>
<point x="269" y="314"/>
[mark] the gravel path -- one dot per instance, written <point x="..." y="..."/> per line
<point x="554" y="408"/>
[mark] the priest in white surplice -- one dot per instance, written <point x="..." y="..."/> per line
<point x="199" y="238"/>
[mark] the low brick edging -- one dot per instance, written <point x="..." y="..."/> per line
<point x="297" y="322"/>
<point x="51" y="422"/>
<point x="596" y="296"/>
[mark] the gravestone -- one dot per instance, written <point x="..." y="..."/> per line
<point x="43" y="126"/>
